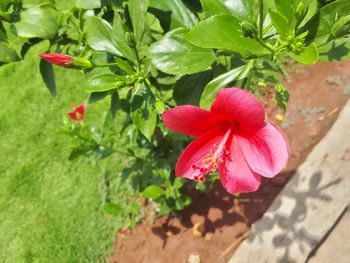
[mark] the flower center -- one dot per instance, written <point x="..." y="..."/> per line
<point x="216" y="156"/>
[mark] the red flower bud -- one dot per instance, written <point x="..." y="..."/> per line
<point x="57" y="59"/>
<point x="123" y="231"/>
<point x="78" y="113"/>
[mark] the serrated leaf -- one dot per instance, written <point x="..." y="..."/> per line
<point x="143" y="111"/>
<point x="153" y="191"/>
<point x="175" y="55"/>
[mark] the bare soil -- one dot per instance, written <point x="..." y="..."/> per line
<point x="215" y="224"/>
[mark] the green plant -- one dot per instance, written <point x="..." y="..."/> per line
<point x="146" y="56"/>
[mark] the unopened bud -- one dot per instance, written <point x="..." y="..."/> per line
<point x="80" y="63"/>
<point x="120" y="83"/>
<point x="67" y="61"/>
<point x="248" y="29"/>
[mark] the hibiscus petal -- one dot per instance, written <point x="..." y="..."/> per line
<point x="198" y="151"/>
<point x="235" y="173"/>
<point x="266" y="152"/>
<point x="241" y="106"/>
<point x="191" y="120"/>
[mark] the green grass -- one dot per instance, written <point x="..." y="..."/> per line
<point x="51" y="209"/>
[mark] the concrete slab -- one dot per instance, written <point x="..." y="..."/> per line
<point x="308" y="207"/>
<point x="336" y="247"/>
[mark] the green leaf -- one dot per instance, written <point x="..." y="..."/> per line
<point x="281" y="96"/>
<point x="335" y="50"/>
<point x="153" y="191"/>
<point x="224" y="32"/>
<point x="341" y="27"/>
<point x="220" y="82"/>
<point x="124" y="66"/>
<point x="38" y="22"/>
<point x="241" y="9"/>
<point x="88" y="4"/>
<point x="97" y="96"/>
<point x="102" y="83"/>
<point x="79" y="152"/>
<point x="181" y="16"/>
<point x="100" y="36"/>
<point x="137" y="11"/>
<point x="319" y="26"/>
<point x="48" y="75"/>
<point x="308" y="56"/>
<point x="115" y="103"/>
<point x="113" y="209"/>
<point x="175" y="55"/>
<point x="154" y="28"/>
<point x="160" y="107"/>
<point x="285" y="7"/>
<point x="280" y="22"/>
<point x="7" y="54"/>
<point x="189" y="88"/>
<point x="178" y="183"/>
<point x="215" y="7"/>
<point x="143" y="111"/>
<point x="3" y="34"/>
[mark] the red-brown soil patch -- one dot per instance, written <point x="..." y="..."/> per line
<point x="317" y="95"/>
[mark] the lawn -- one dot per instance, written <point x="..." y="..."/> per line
<point x="51" y="208"/>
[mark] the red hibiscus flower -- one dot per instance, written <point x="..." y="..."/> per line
<point x="78" y="113"/>
<point x="232" y="138"/>
<point x="57" y="59"/>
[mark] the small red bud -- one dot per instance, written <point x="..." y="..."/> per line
<point x="122" y="231"/>
<point x="57" y="59"/>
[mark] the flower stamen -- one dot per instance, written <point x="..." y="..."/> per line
<point x="216" y="156"/>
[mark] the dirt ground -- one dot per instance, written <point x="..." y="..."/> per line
<point x="215" y="224"/>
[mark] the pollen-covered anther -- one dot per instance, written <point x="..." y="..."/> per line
<point x="210" y="163"/>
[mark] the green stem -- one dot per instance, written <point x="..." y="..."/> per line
<point x="265" y="45"/>
<point x="137" y="57"/>
<point x="267" y="28"/>
<point x="101" y="65"/>
<point x="261" y="19"/>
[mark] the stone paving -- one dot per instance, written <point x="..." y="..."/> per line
<point x="307" y="218"/>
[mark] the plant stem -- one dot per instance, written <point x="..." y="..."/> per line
<point x="137" y="57"/>
<point x="105" y="65"/>
<point x="261" y="19"/>
<point x="265" y="45"/>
